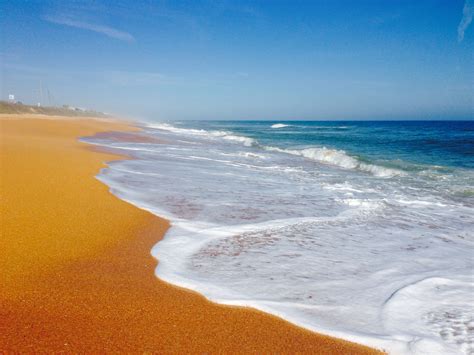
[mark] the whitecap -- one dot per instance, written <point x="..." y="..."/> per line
<point x="279" y="125"/>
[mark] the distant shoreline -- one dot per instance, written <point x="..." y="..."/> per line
<point x="68" y="111"/>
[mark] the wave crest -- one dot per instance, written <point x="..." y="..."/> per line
<point x="340" y="158"/>
<point x="279" y="125"/>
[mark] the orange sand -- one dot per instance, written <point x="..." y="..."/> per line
<point x="76" y="271"/>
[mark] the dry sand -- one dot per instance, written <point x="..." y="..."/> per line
<point x="76" y="271"/>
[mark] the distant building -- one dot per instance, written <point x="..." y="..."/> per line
<point x="11" y="98"/>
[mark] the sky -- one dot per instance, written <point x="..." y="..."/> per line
<point x="269" y="59"/>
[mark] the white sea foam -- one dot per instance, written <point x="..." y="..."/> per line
<point x="434" y="308"/>
<point x="279" y="125"/>
<point x="383" y="262"/>
<point x="250" y="155"/>
<point x="229" y="136"/>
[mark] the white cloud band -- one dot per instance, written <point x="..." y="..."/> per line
<point x="105" y="30"/>
<point x="467" y="14"/>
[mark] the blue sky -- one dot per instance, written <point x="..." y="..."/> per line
<point x="269" y="59"/>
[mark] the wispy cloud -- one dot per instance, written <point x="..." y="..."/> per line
<point x="467" y="14"/>
<point x="102" y="29"/>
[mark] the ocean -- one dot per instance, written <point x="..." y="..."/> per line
<point x="360" y="230"/>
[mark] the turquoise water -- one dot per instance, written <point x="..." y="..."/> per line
<point x="360" y="230"/>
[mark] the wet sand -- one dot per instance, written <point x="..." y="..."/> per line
<point x="76" y="270"/>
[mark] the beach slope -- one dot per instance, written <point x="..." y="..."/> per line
<point x="77" y="274"/>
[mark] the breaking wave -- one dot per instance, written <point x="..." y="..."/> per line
<point x="341" y="159"/>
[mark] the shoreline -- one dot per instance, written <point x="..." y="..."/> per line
<point x="79" y="275"/>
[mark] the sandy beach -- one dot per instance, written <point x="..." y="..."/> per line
<point x="77" y="274"/>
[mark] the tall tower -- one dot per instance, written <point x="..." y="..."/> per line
<point x="41" y="93"/>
